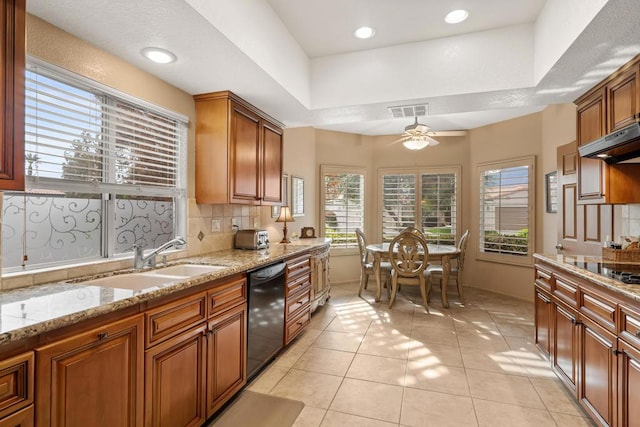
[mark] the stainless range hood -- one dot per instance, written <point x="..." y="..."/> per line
<point x="618" y="146"/>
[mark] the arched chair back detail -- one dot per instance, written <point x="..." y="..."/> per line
<point x="408" y="253"/>
<point x="366" y="266"/>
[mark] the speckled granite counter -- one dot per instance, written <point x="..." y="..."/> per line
<point x="577" y="265"/>
<point x="33" y="310"/>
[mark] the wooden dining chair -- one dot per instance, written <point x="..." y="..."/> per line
<point x="408" y="253"/>
<point x="457" y="265"/>
<point x="366" y="266"/>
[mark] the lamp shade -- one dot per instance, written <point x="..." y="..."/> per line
<point x="419" y="142"/>
<point x="285" y="215"/>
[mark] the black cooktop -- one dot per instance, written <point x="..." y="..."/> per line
<point x="625" y="273"/>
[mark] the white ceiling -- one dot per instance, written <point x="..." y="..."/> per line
<point x="298" y="60"/>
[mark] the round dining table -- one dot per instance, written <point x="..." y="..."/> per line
<point x="441" y="253"/>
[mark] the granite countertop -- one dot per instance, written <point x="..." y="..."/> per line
<point x="30" y="311"/>
<point x="582" y="266"/>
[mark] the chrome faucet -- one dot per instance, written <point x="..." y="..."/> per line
<point x="141" y="261"/>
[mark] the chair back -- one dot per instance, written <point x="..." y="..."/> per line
<point x="462" y="247"/>
<point x="362" y="246"/>
<point x="408" y="252"/>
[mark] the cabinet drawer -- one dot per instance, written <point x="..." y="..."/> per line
<point x="599" y="309"/>
<point x="297" y="285"/>
<point x="543" y="278"/>
<point x="298" y="266"/>
<point x="565" y="290"/>
<point x="16" y="383"/>
<point x="23" y="418"/>
<point x="227" y="295"/>
<point x="173" y="318"/>
<point x="297" y="302"/>
<point x="297" y="324"/>
<point x="630" y="325"/>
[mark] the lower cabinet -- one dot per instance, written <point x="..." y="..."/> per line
<point x="598" y="368"/>
<point x="594" y="344"/>
<point x="565" y="344"/>
<point x="320" y="285"/>
<point x="174" y="380"/>
<point x="94" y="378"/>
<point x="16" y="390"/>
<point x="226" y="356"/>
<point x="628" y="385"/>
<point x="297" y="310"/>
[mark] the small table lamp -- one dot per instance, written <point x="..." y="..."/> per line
<point x="285" y="216"/>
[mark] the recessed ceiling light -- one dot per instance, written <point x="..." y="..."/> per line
<point x="456" y="16"/>
<point x="364" y="32"/>
<point x="158" y="55"/>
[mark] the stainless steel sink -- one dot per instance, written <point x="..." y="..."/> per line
<point x="153" y="278"/>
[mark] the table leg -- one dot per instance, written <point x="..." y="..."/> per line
<point x="377" y="258"/>
<point x="446" y="269"/>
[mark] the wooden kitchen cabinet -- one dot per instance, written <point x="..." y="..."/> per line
<point x="320" y="285"/>
<point x="297" y="312"/>
<point x="16" y="390"/>
<point x="94" y="378"/>
<point x="565" y="344"/>
<point x="598" y="364"/>
<point x="542" y="313"/>
<point x="226" y="356"/>
<point x="12" y="69"/>
<point x="238" y="152"/>
<point x="610" y="105"/>
<point x="628" y="384"/>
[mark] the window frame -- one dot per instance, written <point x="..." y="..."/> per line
<point x="526" y="260"/>
<point x="418" y="172"/>
<point x="108" y="191"/>
<point x="356" y="170"/>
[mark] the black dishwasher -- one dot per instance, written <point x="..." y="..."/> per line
<point x="265" y="336"/>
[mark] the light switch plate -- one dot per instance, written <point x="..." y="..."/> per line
<point x="215" y="225"/>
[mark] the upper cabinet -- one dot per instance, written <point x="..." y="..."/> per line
<point x="238" y="152"/>
<point x="611" y="105"/>
<point x="12" y="57"/>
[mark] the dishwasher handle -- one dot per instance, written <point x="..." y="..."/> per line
<point x="266" y="274"/>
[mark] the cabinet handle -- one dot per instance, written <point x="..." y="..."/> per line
<point x="638" y="333"/>
<point x="103" y="335"/>
<point x="617" y="352"/>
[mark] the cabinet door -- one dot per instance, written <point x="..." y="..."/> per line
<point x="598" y="367"/>
<point x="226" y="356"/>
<point x="565" y="345"/>
<point x="629" y="385"/>
<point x="543" y="320"/>
<point x="12" y="63"/>
<point x="591" y="125"/>
<point x="271" y="164"/>
<point x="175" y="381"/>
<point x="622" y="98"/>
<point x="23" y="418"/>
<point x="92" y="379"/>
<point x="245" y="156"/>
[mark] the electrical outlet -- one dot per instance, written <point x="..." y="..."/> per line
<point x="234" y="222"/>
<point x="215" y="225"/>
<point x="256" y="222"/>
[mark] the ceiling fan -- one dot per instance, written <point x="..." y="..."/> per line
<point x="417" y="136"/>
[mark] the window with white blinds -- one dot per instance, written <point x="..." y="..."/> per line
<point x="506" y="210"/>
<point x="424" y="198"/>
<point x="104" y="171"/>
<point x="343" y="204"/>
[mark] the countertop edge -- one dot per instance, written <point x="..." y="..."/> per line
<point x="562" y="262"/>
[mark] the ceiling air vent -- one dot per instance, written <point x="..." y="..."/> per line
<point x="408" y="110"/>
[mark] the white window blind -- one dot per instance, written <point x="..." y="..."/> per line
<point x="423" y="198"/>
<point x="506" y="201"/>
<point x="399" y="204"/>
<point x="76" y="133"/>
<point x="343" y="205"/>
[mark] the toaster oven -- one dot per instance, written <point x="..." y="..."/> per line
<point x="251" y="239"/>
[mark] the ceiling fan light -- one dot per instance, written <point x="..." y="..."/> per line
<point x="415" y="144"/>
<point x="456" y="16"/>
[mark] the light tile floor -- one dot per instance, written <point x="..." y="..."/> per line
<point x="363" y="364"/>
